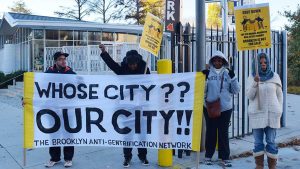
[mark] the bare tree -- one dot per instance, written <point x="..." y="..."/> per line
<point x="78" y="12"/>
<point x="108" y="9"/>
<point x="20" y="7"/>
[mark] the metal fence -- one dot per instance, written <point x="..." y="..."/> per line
<point x="240" y="62"/>
<point x="86" y="60"/>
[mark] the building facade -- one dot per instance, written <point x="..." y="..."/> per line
<point x="27" y="42"/>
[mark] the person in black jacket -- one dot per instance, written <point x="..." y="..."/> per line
<point x="132" y="64"/>
<point x="60" y="67"/>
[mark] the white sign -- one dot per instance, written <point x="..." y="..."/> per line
<point x="149" y="111"/>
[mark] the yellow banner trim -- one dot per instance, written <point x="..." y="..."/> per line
<point x="28" y="109"/>
<point x="198" y="110"/>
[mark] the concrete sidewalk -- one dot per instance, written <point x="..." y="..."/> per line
<point x="11" y="139"/>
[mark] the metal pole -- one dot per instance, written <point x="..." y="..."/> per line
<point x="200" y="35"/>
<point x="200" y="49"/>
<point x="284" y="76"/>
<point x="225" y="25"/>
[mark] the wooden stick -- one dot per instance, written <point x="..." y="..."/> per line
<point x="146" y="67"/>
<point x="257" y="74"/>
<point x="198" y="160"/>
<point x="24" y="156"/>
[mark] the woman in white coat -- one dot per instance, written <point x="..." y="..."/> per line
<point x="265" y="109"/>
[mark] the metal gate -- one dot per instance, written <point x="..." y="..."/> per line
<point x="87" y="60"/>
<point x="240" y="62"/>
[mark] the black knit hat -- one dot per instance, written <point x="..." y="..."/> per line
<point x="133" y="57"/>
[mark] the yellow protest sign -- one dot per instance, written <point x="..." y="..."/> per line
<point x="253" y="26"/>
<point x="152" y="34"/>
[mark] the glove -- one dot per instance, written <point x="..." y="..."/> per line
<point x="231" y="73"/>
<point x="206" y="72"/>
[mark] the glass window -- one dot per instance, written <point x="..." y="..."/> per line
<point x="107" y="36"/>
<point x="66" y="43"/>
<point x="94" y="36"/>
<point x="80" y="43"/>
<point x="80" y="35"/>
<point x="30" y="35"/>
<point x="51" y="43"/>
<point x="52" y="34"/>
<point x="120" y="37"/>
<point x="38" y="34"/>
<point x="66" y="35"/>
<point x="132" y="38"/>
<point x="38" y="57"/>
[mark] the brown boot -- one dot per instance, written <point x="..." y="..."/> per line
<point x="259" y="161"/>
<point x="272" y="163"/>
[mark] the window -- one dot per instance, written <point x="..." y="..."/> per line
<point x="80" y="43"/>
<point x="66" y="35"/>
<point x="107" y="36"/>
<point x="80" y="35"/>
<point x="51" y="43"/>
<point x="38" y="57"/>
<point x="120" y="37"/>
<point x="52" y="34"/>
<point x="94" y="36"/>
<point x="66" y="43"/>
<point x="38" y="34"/>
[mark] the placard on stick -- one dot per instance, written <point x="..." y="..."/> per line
<point x="152" y="34"/>
<point x="253" y="27"/>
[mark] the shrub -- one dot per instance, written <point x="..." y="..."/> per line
<point x="294" y="90"/>
<point x="4" y="78"/>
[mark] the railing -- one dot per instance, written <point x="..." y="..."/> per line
<point x="240" y="62"/>
<point x="13" y="80"/>
<point x="87" y="60"/>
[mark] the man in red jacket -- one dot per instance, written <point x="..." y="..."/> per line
<point x="60" y="67"/>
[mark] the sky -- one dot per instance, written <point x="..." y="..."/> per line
<point x="47" y="8"/>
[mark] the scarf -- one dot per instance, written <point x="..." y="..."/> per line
<point x="264" y="75"/>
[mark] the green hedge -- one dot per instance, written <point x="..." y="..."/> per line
<point x="4" y="78"/>
<point x="294" y="89"/>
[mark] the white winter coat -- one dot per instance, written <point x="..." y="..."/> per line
<point x="270" y="97"/>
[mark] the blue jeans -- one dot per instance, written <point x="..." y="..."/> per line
<point x="270" y="139"/>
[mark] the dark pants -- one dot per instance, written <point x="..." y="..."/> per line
<point x="55" y="153"/>
<point x="218" y="126"/>
<point x="142" y="152"/>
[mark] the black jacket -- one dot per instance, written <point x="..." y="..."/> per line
<point x="53" y="69"/>
<point x="123" y="69"/>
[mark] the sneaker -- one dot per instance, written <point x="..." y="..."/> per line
<point x="51" y="163"/>
<point x="226" y="163"/>
<point x="208" y="161"/>
<point x="145" y="161"/>
<point x="68" y="164"/>
<point x="126" y="163"/>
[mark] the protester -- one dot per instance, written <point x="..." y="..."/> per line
<point x="221" y="84"/>
<point x="265" y="109"/>
<point x="60" y="67"/>
<point x="132" y="64"/>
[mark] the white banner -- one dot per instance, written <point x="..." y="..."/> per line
<point x="146" y="111"/>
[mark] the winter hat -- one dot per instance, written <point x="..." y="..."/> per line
<point x="133" y="57"/>
<point x="263" y="75"/>
<point x="220" y="55"/>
